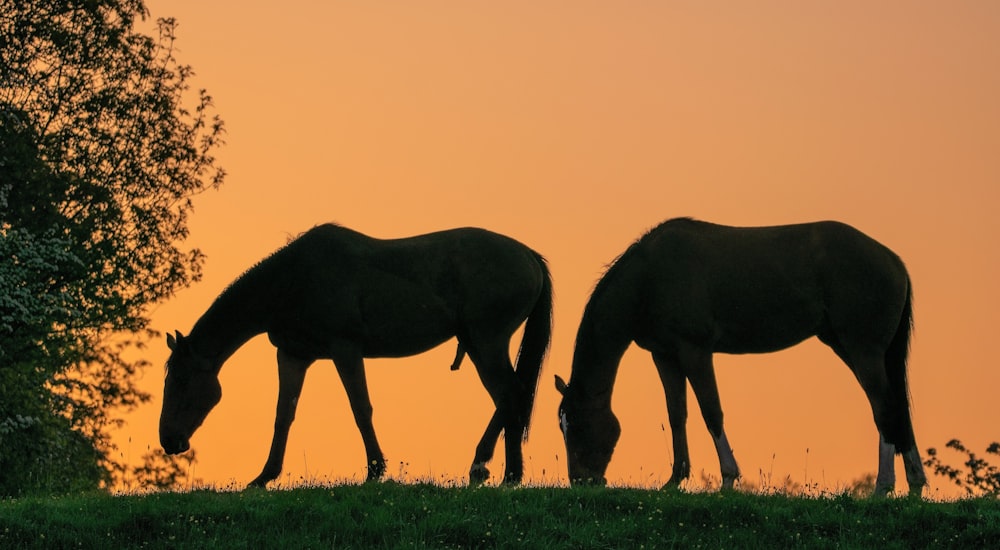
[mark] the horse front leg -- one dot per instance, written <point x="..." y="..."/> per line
<point x="698" y="368"/>
<point x="352" y="374"/>
<point x="291" y="375"/>
<point x="675" y="391"/>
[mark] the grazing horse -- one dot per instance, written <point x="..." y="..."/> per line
<point x="688" y="289"/>
<point x="334" y="293"/>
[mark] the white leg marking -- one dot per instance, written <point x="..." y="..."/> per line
<point x="885" y="482"/>
<point x="727" y="461"/>
<point x="915" y="476"/>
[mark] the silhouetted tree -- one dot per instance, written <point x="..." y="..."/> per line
<point x="979" y="478"/>
<point x="164" y="473"/>
<point x="102" y="147"/>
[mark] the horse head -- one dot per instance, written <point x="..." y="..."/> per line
<point x="190" y="391"/>
<point x="590" y="435"/>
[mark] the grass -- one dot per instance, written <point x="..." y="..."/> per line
<point x="394" y="515"/>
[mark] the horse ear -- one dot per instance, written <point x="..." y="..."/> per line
<point x="561" y="385"/>
<point x="172" y="341"/>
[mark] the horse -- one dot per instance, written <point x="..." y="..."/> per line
<point x="688" y="289"/>
<point x="334" y="293"/>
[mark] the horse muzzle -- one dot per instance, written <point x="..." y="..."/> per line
<point x="174" y="445"/>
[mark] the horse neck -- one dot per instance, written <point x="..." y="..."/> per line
<point x="599" y="349"/>
<point x="606" y="330"/>
<point x="230" y="322"/>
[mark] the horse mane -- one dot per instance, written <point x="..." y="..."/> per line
<point x="242" y="277"/>
<point x="629" y="252"/>
<point x="291" y="239"/>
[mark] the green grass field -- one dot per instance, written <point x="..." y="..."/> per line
<point x="393" y="515"/>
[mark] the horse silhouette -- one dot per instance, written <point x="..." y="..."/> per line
<point x="334" y="293"/>
<point x="688" y="289"/>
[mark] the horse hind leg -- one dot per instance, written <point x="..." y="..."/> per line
<point x="914" y="467"/>
<point x="891" y="413"/>
<point x="479" y="473"/>
<point x="498" y="377"/>
<point x="886" y="480"/>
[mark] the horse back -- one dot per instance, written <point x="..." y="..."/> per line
<point x="760" y="289"/>
<point x="398" y="297"/>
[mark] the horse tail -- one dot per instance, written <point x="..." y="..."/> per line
<point x="895" y="363"/>
<point x="535" y="344"/>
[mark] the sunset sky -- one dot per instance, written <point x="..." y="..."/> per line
<point x="574" y="127"/>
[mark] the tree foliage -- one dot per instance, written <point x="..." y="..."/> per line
<point x="103" y="144"/>
<point x="160" y="472"/>
<point x="979" y="478"/>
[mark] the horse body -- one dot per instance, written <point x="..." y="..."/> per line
<point x="689" y="289"/>
<point x="336" y="294"/>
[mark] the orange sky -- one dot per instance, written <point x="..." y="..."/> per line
<point x="574" y="127"/>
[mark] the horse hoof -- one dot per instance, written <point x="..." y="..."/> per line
<point x="376" y="470"/>
<point x="728" y="485"/>
<point x="671" y="486"/>
<point x="882" y="491"/>
<point x="511" y="481"/>
<point x="478" y="474"/>
<point x="258" y="483"/>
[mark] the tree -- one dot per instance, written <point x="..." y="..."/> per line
<point x="100" y="157"/>
<point x="165" y="473"/>
<point x="979" y="478"/>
